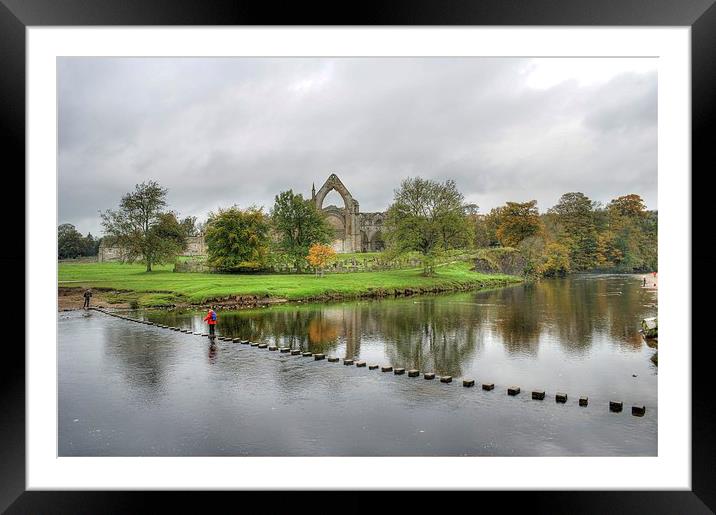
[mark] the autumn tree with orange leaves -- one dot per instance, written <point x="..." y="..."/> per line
<point x="319" y="256"/>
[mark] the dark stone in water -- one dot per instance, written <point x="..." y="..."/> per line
<point x="386" y="369"/>
<point x="332" y="359"/>
<point x="285" y="349"/>
<point x="538" y="395"/>
<point x="513" y="390"/>
<point x="429" y="375"/>
<point x="319" y="356"/>
<point x="372" y="367"/>
<point x="262" y="345"/>
<point x="561" y="397"/>
<point x="638" y="411"/>
<point x="347" y="362"/>
<point x="616" y="406"/>
<point x="446" y="379"/>
<point x="413" y="373"/>
<point x="360" y="363"/>
<point x="488" y="386"/>
<point x="584" y="401"/>
<point x="295" y="352"/>
<point x="399" y="371"/>
<point x="307" y="354"/>
<point x="468" y="383"/>
<point x="273" y="347"/>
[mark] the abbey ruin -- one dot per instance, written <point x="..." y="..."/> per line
<point x="353" y="231"/>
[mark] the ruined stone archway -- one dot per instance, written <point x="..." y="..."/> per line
<point x="351" y="238"/>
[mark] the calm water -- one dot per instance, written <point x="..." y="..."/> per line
<point x="127" y="389"/>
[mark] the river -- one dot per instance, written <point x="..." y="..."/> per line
<point x="128" y="389"/>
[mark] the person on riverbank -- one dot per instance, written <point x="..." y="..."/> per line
<point x="210" y="319"/>
<point x="87" y="294"/>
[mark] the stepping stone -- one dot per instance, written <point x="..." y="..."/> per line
<point x="255" y="344"/>
<point x="273" y="347"/>
<point x="561" y="397"/>
<point x="262" y="345"/>
<point x="319" y="356"/>
<point x="285" y="349"/>
<point x="429" y="375"/>
<point x="245" y="342"/>
<point x="236" y="340"/>
<point x="333" y="359"/>
<point x="513" y="390"/>
<point x="386" y="369"/>
<point x="467" y="383"/>
<point x="638" y="411"/>
<point x="413" y="373"/>
<point x="446" y="379"/>
<point x="295" y="352"/>
<point x="348" y="362"/>
<point x="307" y="354"/>
<point x="584" y="401"/>
<point x="538" y="395"/>
<point x="616" y="406"/>
<point x="360" y="363"/>
<point x="372" y="367"/>
<point x="399" y="371"/>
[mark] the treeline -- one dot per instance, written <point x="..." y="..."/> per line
<point x="71" y="244"/>
<point x="575" y="235"/>
<point x="426" y="217"/>
<point x="244" y="240"/>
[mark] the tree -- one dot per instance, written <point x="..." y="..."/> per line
<point x="629" y="241"/>
<point x="237" y="239"/>
<point x="70" y="243"/>
<point x="576" y="229"/>
<point x="319" y="256"/>
<point x="517" y="222"/>
<point x="298" y="224"/>
<point x="90" y="245"/>
<point x="141" y="227"/>
<point x="428" y="217"/>
<point x="555" y="260"/>
<point x="189" y="226"/>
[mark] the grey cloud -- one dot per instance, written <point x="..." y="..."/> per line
<point x="223" y="131"/>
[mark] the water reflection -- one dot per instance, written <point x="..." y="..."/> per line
<point x="447" y="334"/>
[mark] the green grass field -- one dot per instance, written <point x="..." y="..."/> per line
<point x="163" y="286"/>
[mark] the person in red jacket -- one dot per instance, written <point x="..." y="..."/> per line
<point x="210" y="318"/>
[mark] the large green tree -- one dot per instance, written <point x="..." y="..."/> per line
<point x="576" y="229"/>
<point x="629" y="241"/>
<point x="428" y="217"/>
<point x="143" y="228"/>
<point x="237" y="239"/>
<point x="298" y="224"/>
<point x="517" y="221"/>
<point x="70" y="243"/>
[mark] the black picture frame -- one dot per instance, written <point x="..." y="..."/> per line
<point x="16" y="15"/>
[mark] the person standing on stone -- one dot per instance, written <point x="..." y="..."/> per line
<point x="87" y="294"/>
<point x="210" y="319"/>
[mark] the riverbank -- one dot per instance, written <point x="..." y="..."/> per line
<point x="129" y="285"/>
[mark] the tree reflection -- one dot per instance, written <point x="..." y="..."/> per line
<point x="443" y="333"/>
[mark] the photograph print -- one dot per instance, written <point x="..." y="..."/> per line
<point x="384" y="256"/>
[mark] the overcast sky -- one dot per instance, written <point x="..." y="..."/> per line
<point x="218" y="132"/>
